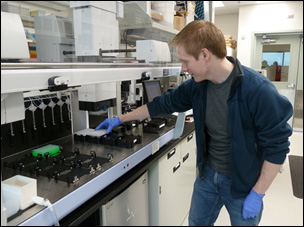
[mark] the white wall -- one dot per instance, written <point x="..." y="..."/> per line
<point x="228" y="24"/>
<point x="265" y="18"/>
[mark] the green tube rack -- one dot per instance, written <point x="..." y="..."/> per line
<point x="52" y="150"/>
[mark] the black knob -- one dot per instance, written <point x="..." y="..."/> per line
<point x="110" y="157"/>
<point x="76" y="151"/>
<point x="79" y="162"/>
<point x="37" y="169"/>
<point x="93" y="154"/>
<point x="73" y="164"/>
<point x="55" y="160"/>
<point x="56" y="174"/>
<point x="20" y="166"/>
<point x="62" y="158"/>
<point x="39" y="157"/>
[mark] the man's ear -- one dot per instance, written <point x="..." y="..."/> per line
<point x="204" y="53"/>
<point x="201" y="55"/>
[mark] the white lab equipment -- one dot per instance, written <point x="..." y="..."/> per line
<point x="13" y="46"/>
<point x="152" y="51"/>
<point x="12" y="107"/>
<point x="13" y="39"/>
<point x="96" y="26"/>
<point x="94" y="97"/>
<point x="54" y="38"/>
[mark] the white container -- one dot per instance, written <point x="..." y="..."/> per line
<point x="21" y="187"/>
<point x="11" y="203"/>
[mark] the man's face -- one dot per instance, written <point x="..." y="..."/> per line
<point x="196" y="68"/>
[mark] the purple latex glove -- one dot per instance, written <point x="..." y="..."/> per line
<point x="109" y="123"/>
<point x="252" y="204"/>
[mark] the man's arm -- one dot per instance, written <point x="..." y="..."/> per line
<point x="253" y="202"/>
<point x="268" y="173"/>
<point x="140" y="113"/>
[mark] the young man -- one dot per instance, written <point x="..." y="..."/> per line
<point x="240" y="123"/>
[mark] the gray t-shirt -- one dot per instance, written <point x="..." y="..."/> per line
<point x="218" y="136"/>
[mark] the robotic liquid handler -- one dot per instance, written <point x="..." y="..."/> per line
<point x="37" y="78"/>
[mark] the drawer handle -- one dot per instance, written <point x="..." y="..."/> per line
<point x="189" y="137"/>
<point x="185" y="157"/>
<point x="171" y="153"/>
<point x="176" y="167"/>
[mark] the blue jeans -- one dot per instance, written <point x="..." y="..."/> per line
<point x="209" y="196"/>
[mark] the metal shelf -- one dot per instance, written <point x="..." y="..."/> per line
<point x="142" y="26"/>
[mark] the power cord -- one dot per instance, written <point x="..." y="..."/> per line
<point x="45" y="202"/>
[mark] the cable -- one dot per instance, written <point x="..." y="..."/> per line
<point x="33" y="102"/>
<point x="45" y="202"/>
<point x="125" y="37"/>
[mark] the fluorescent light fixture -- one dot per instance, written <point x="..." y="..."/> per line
<point x="217" y="3"/>
<point x="264" y="2"/>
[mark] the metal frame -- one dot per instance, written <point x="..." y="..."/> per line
<point x="35" y="76"/>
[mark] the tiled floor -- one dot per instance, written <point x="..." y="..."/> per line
<point x="281" y="207"/>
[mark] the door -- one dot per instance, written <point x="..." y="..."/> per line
<point x="278" y="55"/>
<point x="298" y="109"/>
<point x="129" y="208"/>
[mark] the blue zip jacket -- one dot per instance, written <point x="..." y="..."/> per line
<point x="257" y="116"/>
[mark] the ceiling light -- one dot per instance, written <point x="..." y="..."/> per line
<point x="264" y="2"/>
<point x="217" y="3"/>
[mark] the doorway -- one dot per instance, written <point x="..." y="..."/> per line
<point x="280" y="57"/>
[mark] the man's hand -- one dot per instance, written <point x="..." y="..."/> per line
<point x="109" y="123"/>
<point x="252" y="205"/>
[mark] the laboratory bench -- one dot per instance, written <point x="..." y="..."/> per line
<point x="77" y="203"/>
<point x="88" y="212"/>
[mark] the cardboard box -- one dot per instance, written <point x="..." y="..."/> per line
<point x="37" y="13"/>
<point x="178" y="23"/>
<point x="156" y="15"/>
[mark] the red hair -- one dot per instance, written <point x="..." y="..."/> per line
<point x="201" y="34"/>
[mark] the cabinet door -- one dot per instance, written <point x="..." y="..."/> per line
<point x="129" y="208"/>
<point x="166" y="162"/>
<point x="187" y="144"/>
<point x="187" y="178"/>
<point x="170" y="212"/>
